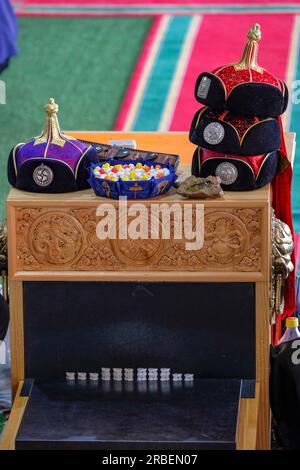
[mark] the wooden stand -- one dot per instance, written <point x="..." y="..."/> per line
<point x="69" y="222"/>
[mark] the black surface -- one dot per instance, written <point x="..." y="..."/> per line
<point x="202" y="415"/>
<point x="204" y="328"/>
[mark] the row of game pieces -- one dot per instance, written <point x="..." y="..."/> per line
<point x="119" y="374"/>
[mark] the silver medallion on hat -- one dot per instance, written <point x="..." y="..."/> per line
<point x="214" y="133"/>
<point x="43" y="175"/>
<point x="227" y="172"/>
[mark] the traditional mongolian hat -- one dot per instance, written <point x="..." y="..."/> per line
<point x="235" y="134"/>
<point x="236" y="173"/>
<point x="52" y="162"/>
<point x="243" y="87"/>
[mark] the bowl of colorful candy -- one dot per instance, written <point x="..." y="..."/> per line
<point x="133" y="179"/>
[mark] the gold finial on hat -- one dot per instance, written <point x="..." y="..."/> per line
<point x="51" y="107"/>
<point x="51" y="132"/>
<point x="249" y="57"/>
<point x="254" y="34"/>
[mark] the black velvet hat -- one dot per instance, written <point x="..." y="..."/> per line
<point x="236" y="135"/>
<point x="243" y="87"/>
<point x="52" y="162"/>
<point x="236" y="173"/>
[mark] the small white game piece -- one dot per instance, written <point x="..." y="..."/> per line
<point x="188" y="377"/>
<point x="152" y="374"/>
<point x="165" y="374"/>
<point x="105" y="373"/>
<point x="94" y="376"/>
<point x="81" y="376"/>
<point x="153" y="378"/>
<point x="128" y="375"/>
<point x="105" y="378"/>
<point x="70" y="375"/>
<point x="177" y="377"/>
<point x="117" y="374"/>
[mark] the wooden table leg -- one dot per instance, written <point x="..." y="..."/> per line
<point x="263" y="364"/>
<point x="16" y="334"/>
<point x="247" y="425"/>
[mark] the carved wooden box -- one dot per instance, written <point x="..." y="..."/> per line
<point x="55" y="236"/>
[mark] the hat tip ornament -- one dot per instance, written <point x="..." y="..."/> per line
<point x="51" y="107"/>
<point x="51" y="132"/>
<point x="249" y="57"/>
<point x="254" y="34"/>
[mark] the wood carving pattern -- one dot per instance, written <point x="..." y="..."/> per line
<point x="66" y="240"/>
<point x="232" y="242"/>
<point x="139" y="252"/>
<point x="56" y="238"/>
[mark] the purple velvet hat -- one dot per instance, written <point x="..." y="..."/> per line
<point x="52" y="162"/>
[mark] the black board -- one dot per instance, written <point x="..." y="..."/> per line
<point x="204" y="328"/>
<point x="115" y="415"/>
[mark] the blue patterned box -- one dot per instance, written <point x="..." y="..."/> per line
<point x="136" y="189"/>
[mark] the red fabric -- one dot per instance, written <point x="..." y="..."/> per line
<point x="281" y="187"/>
<point x="255" y="162"/>
<point x="240" y="123"/>
<point x="231" y="77"/>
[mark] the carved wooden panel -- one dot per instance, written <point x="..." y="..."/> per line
<point x="49" y="239"/>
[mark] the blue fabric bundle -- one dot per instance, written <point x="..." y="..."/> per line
<point x="135" y="189"/>
<point x="8" y="31"/>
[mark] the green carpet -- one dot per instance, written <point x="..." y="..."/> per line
<point x="85" y="64"/>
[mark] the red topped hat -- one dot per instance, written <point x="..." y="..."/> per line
<point x="244" y="87"/>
